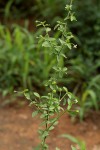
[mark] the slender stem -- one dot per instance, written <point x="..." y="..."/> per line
<point x="63" y="97"/>
<point x="57" y="119"/>
<point x="46" y="129"/>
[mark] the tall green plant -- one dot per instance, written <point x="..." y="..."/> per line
<point x="49" y="106"/>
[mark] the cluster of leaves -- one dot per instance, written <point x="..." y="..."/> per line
<point x="84" y="64"/>
<point x="49" y="106"/>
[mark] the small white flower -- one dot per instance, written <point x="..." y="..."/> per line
<point x="75" y="46"/>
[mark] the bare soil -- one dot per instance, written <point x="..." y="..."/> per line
<point x="18" y="130"/>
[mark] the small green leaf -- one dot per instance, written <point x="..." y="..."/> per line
<point x="64" y="101"/>
<point x="48" y="29"/>
<point x="57" y="148"/>
<point x="43" y="115"/>
<point x="73" y="113"/>
<point x="46" y="44"/>
<point x="36" y="94"/>
<point x="51" y="128"/>
<point x="69" y="45"/>
<point x="34" y="113"/>
<point x="70" y="137"/>
<point x="63" y="55"/>
<point x="73" y="17"/>
<point x="27" y="95"/>
<point x="73" y="148"/>
<point x="65" y="89"/>
<point x="44" y="97"/>
<point x="69" y="104"/>
<point x="56" y="122"/>
<point x="62" y="42"/>
<point x="45" y="134"/>
<point x="64" y="69"/>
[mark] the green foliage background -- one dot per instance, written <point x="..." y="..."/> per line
<point x="24" y="63"/>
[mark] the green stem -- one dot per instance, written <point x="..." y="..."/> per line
<point x="63" y="97"/>
<point x="46" y="129"/>
<point x="57" y="119"/>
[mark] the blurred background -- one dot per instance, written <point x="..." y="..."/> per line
<point x="24" y="63"/>
<point x="21" y="64"/>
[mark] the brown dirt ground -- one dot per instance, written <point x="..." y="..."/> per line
<point x="18" y="130"/>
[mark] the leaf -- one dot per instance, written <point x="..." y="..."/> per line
<point x="51" y="128"/>
<point x="62" y="42"/>
<point x="68" y="7"/>
<point x="56" y="122"/>
<point x="71" y="138"/>
<point x="44" y="97"/>
<point x="69" y="45"/>
<point x="73" y="148"/>
<point x="27" y="95"/>
<point x="36" y="94"/>
<point x="69" y="104"/>
<point x="46" y="44"/>
<point x="63" y="55"/>
<point x="57" y="148"/>
<point x="43" y="116"/>
<point x="64" y="101"/>
<point x="80" y="143"/>
<point x="34" y="113"/>
<point x="92" y="94"/>
<point x="48" y="29"/>
<point x="73" y="113"/>
<point x="45" y="134"/>
<point x="64" y="69"/>
<point x="73" y="18"/>
<point x="66" y="90"/>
